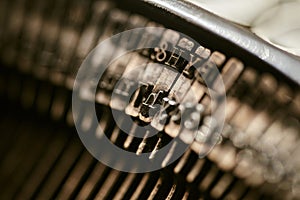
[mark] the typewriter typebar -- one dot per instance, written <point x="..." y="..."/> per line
<point x="43" y="45"/>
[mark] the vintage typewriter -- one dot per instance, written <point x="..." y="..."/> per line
<point x="43" y="44"/>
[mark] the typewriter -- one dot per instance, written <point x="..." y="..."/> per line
<point x="43" y="44"/>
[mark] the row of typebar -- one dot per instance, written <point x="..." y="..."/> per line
<point x="43" y="45"/>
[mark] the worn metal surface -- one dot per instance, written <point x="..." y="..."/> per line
<point x="285" y="63"/>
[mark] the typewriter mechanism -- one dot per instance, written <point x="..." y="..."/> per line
<point x="164" y="113"/>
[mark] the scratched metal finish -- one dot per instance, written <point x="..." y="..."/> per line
<point x="282" y="61"/>
<point x="257" y="157"/>
<point x="276" y="21"/>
